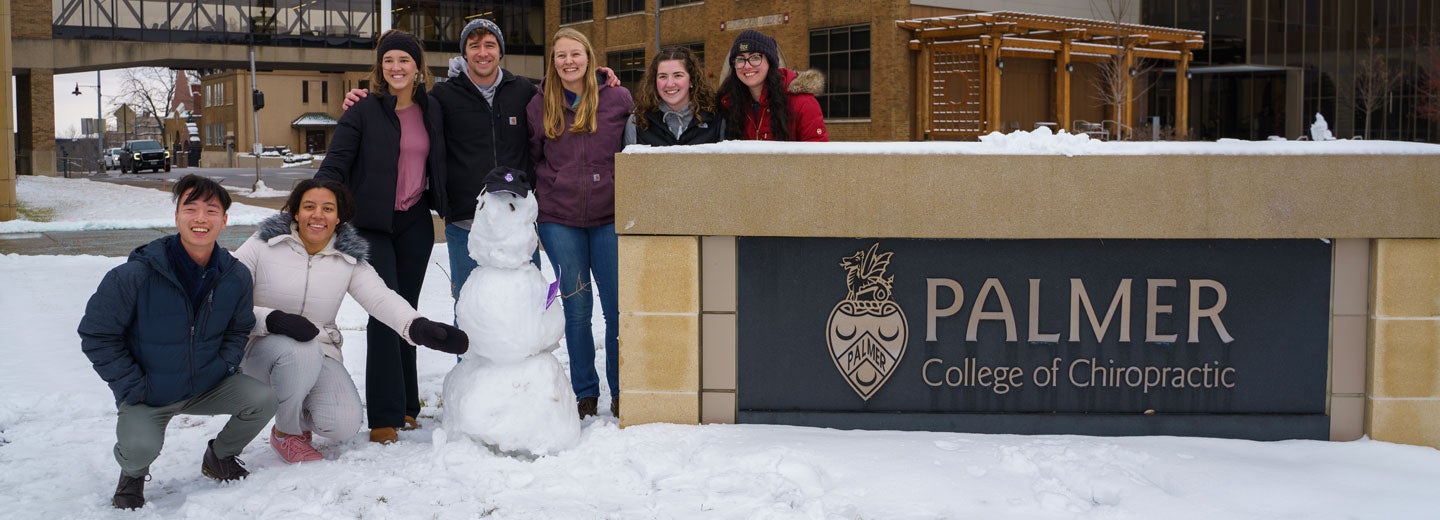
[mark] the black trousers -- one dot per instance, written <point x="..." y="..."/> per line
<point x="391" y="389"/>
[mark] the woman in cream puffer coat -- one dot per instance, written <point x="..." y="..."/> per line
<point x="304" y="260"/>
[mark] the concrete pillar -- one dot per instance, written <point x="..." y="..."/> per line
<point x="7" y="131"/>
<point x="35" y="104"/>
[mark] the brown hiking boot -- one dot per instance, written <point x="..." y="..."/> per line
<point x="223" y="469"/>
<point x="586" y="406"/>
<point x="384" y="435"/>
<point x="130" y="493"/>
<point x="410" y="424"/>
<point x="615" y="406"/>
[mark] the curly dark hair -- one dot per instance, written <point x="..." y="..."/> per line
<point x="739" y="101"/>
<point x="647" y="99"/>
<point x="344" y="202"/>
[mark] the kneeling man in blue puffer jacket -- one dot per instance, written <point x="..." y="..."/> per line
<point x="167" y="330"/>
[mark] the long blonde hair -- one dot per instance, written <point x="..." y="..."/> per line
<point x="555" y="90"/>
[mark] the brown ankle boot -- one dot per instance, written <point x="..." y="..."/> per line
<point x="383" y="435"/>
<point x="586" y="406"/>
<point x="410" y="424"/>
<point x="615" y="406"/>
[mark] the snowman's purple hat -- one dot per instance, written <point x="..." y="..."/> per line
<point x="508" y="180"/>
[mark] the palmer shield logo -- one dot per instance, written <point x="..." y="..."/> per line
<point x="867" y="331"/>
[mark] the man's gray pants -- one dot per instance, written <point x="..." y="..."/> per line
<point x="140" y="429"/>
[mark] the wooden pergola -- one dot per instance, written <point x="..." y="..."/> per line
<point x="973" y="46"/>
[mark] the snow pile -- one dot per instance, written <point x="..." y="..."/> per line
<point x="1041" y="141"/>
<point x="261" y="191"/>
<point x="82" y="204"/>
<point x="508" y="391"/>
<point x="1320" y="129"/>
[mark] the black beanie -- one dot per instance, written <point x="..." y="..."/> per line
<point x="401" y="41"/>
<point x="751" y="40"/>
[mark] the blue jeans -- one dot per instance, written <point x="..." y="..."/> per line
<point x="576" y="254"/>
<point x="457" y="241"/>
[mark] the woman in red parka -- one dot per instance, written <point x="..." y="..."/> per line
<point x="760" y="99"/>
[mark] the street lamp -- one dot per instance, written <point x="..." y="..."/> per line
<point x="99" y="121"/>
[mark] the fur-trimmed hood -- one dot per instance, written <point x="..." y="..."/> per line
<point x="346" y="241"/>
<point x="803" y="82"/>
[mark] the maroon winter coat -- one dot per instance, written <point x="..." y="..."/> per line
<point x="575" y="174"/>
<point x="806" y="121"/>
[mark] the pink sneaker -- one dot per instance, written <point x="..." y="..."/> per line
<point x="294" y="448"/>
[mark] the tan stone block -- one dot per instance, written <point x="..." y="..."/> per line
<point x="659" y="274"/>
<point x="1406" y="358"/>
<point x="717" y="274"/>
<point x="1407" y="277"/>
<point x="639" y="407"/>
<point x="1347" y="354"/>
<point x="717" y="408"/>
<point x="1347" y="417"/>
<point x="717" y="351"/>
<point x="1352" y="277"/>
<point x="1407" y="421"/>
<point x="660" y="353"/>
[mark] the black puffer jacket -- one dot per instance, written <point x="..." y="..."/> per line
<point x="364" y="154"/>
<point x="482" y="136"/>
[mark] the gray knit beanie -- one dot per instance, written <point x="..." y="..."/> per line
<point x="483" y="25"/>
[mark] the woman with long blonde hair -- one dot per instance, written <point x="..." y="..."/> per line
<point x="576" y="127"/>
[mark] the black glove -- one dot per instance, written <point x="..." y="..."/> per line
<point x="293" y="325"/>
<point x="439" y="336"/>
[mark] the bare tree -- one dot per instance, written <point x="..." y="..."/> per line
<point x="1117" y="79"/>
<point x="149" y="89"/>
<point x="1375" y="79"/>
<point x="1429" y="107"/>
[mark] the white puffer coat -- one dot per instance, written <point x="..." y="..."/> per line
<point x="289" y="279"/>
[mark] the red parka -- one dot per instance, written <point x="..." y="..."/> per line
<point x="806" y="121"/>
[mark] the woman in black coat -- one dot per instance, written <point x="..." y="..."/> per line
<point x="389" y="150"/>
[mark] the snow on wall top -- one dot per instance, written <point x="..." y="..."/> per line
<point x="1042" y="142"/>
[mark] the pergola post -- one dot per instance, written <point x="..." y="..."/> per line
<point x="924" y="80"/>
<point x="1182" y="96"/>
<point x="992" y="46"/>
<point x="1062" y="85"/>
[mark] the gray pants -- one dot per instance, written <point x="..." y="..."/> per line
<point x="140" y="429"/>
<point x="315" y="392"/>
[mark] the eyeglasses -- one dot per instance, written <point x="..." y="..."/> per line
<point x="754" y="60"/>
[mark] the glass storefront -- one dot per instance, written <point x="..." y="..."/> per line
<point x="1254" y="48"/>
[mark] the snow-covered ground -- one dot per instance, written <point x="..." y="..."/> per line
<point x="57" y="423"/>
<point x="82" y="204"/>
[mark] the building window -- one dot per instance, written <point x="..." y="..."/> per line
<point x="324" y="91"/>
<point x="696" y="49"/>
<point x="572" y="11"/>
<point x="219" y="94"/>
<point x="628" y="65"/>
<point x="843" y="54"/>
<point x="614" y="7"/>
<point x="304" y="91"/>
<point x="673" y="3"/>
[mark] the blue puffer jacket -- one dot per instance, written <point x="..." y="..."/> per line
<point x="145" y="341"/>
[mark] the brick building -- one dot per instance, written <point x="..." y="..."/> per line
<point x="869" y="67"/>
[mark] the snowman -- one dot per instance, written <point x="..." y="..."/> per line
<point x="509" y="391"/>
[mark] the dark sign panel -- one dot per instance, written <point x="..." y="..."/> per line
<point x="1027" y="336"/>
